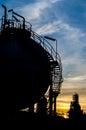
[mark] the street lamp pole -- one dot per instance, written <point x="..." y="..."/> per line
<point x="52" y="39"/>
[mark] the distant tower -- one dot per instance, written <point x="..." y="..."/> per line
<point x="75" y="111"/>
<point x="75" y="98"/>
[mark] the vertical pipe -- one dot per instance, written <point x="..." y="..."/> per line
<point x="5" y="15"/>
<point x="56" y="49"/>
<point x="50" y="96"/>
<point x="54" y="105"/>
<point x="22" y="18"/>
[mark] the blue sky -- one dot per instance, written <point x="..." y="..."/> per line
<point x="64" y="20"/>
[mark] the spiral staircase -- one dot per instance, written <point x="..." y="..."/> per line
<point x="55" y="73"/>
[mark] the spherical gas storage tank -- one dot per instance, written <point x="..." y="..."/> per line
<point x="24" y="69"/>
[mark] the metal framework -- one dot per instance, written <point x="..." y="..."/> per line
<point x="18" y="21"/>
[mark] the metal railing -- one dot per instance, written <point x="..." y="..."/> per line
<point x="50" y="50"/>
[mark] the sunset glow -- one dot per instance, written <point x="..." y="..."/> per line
<point x="64" y="20"/>
<point x="65" y="97"/>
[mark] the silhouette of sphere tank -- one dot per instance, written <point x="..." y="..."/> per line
<point x="24" y="68"/>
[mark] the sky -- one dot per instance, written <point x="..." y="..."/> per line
<point x="64" y="20"/>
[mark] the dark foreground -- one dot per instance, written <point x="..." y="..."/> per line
<point x="47" y="122"/>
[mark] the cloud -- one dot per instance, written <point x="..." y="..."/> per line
<point x="67" y="32"/>
<point x="48" y="20"/>
<point x="34" y="10"/>
<point x="76" y="79"/>
<point x="50" y="1"/>
<point x="71" y="39"/>
<point x="72" y="44"/>
<point x="37" y="12"/>
<point x="49" y="28"/>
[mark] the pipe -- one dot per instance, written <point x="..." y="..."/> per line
<point x="49" y="38"/>
<point x="21" y="17"/>
<point x="5" y="14"/>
